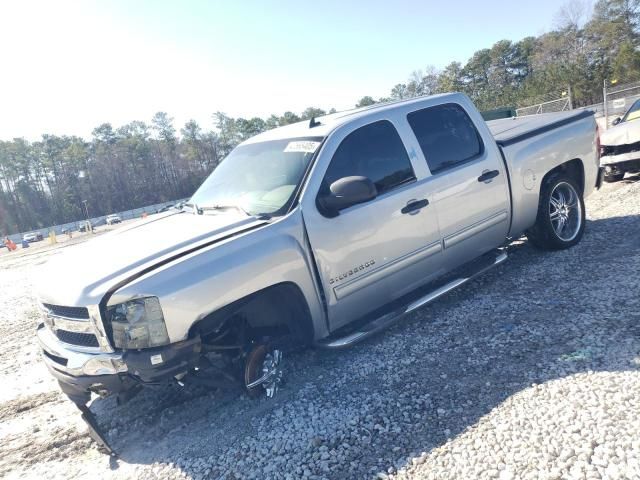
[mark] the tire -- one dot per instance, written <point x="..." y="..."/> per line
<point x="560" y="220"/>
<point x="614" y="177"/>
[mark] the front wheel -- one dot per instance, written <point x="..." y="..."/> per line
<point x="263" y="371"/>
<point x="561" y="215"/>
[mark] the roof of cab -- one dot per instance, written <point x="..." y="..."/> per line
<point x="328" y="123"/>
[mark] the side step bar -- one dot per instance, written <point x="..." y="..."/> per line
<point x="380" y="323"/>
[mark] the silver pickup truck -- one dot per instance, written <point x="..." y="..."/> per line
<point x="318" y="233"/>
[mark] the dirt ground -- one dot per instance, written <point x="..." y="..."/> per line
<point x="450" y="392"/>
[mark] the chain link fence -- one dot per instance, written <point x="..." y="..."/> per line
<point x="558" y="104"/>
<point x="618" y="98"/>
<point x="555" y="101"/>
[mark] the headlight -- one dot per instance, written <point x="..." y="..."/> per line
<point x="138" y="324"/>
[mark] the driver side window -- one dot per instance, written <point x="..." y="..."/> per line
<point x="374" y="151"/>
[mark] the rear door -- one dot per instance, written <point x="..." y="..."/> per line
<point x="472" y="194"/>
<point x="374" y="252"/>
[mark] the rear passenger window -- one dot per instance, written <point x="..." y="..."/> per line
<point x="374" y="151"/>
<point x="446" y="134"/>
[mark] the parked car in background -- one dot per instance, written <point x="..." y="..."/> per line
<point x="113" y="219"/>
<point x="85" y="226"/>
<point x="620" y="145"/>
<point x="32" y="237"/>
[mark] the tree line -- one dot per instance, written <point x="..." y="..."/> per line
<point x="47" y="182"/>
<point x="579" y="54"/>
<point x="61" y="179"/>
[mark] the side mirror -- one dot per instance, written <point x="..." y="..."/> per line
<point x="346" y="192"/>
<point x="617" y="121"/>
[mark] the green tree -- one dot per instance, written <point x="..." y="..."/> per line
<point x="312" y="112"/>
<point x="451" y="78"/>
<point x="365" y="102"/>
<point x="288" y="118"/>
<point x="626" y="64"/>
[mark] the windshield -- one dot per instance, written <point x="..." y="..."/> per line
<point x="633" y="113"/>
<point x="258" y="178"/>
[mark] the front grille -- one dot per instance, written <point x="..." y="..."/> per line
<point x="77" y="338"/>
<point x="68" y="312"/>
<point x="620" y="149"/>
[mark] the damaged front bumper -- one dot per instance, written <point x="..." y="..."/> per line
<point x="82" y="371"/>
<point x="620" y="158"/>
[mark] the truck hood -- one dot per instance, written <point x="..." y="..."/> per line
<point x="81" y="275"/>
<point x="622" y="134"/>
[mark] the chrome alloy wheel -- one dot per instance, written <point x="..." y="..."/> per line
<point x="565" y="211"/>
<point x="270" y="370"/>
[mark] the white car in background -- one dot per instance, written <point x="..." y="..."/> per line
<point x="112" y="219"/>
<point x="620" y="145"/>
<point x="32" y="237"/>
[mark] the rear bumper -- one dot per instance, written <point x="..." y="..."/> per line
<point x="81" y="372"/>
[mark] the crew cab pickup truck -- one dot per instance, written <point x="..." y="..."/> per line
<point x="317" y="233"/>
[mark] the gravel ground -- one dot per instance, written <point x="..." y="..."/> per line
<point x="530" y="371"/>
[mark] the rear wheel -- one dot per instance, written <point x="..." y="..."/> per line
<point x="561" y="216"/>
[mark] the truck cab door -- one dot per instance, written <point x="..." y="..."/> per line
<point x="471" y="190"/>
<point x="370" y="253"/>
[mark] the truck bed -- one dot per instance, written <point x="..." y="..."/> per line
<point x="510" y="130"/>
<point x="534" y="145"/>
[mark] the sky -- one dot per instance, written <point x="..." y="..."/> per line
<point x="68" y="66"/>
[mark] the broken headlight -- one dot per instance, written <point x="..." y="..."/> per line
<point x="138" y="323"/>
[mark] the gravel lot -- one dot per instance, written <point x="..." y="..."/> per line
<point x="531" y="371"/>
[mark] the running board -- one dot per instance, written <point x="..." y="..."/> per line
<point x="388" y="319"/>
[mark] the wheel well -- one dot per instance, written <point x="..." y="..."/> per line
<point x="573" y="168"/>
<point x="278" y="310"/>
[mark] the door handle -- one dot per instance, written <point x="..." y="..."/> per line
<point x="487" y="175"/>
<point x="415" y="205"/>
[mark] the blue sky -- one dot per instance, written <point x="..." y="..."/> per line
<point x="70" y="65"/>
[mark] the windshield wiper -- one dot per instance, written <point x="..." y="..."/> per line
<point x="195" y="208"/>
<point x="225" y="207"/>
<point x="261" y="216"/>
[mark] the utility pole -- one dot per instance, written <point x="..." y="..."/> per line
<point x="606" y="109"/>
<point x="570" y="97"/>
<point x="86" y="211"/>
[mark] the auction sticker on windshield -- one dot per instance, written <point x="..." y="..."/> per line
<point x="302" y="146"/>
